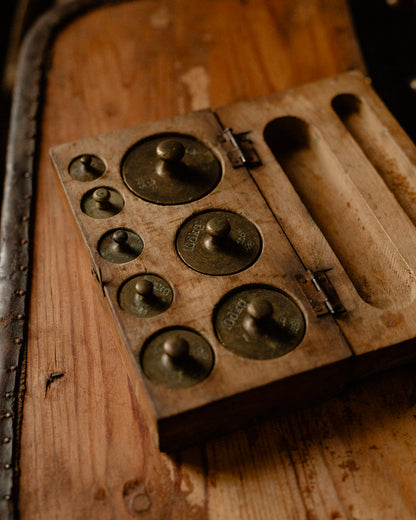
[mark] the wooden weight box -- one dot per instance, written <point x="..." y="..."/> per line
<point x="256" y="257"/>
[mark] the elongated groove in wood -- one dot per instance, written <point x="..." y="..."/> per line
<point x="363" y="247"/>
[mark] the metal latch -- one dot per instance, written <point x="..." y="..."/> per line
<point x="320" y="293"/>
<point x="240" y="149"/>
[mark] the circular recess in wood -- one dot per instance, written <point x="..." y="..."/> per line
<point x="170" y="168"/>
<point x="259" y="322"/>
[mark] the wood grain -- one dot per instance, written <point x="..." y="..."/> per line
<point x="341" y="203"/>
<point x="237" y="387"/>
<point x="86" y="451"/>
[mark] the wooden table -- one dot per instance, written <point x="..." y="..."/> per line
<point x="85" y="448"/>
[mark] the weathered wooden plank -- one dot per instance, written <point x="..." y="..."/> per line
<point x="86" y="452"/>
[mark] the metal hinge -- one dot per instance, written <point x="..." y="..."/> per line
<point x="240" y="149"/>
<point x="320" y="293"/>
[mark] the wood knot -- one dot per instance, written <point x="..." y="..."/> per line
<point x="136" y="498"/>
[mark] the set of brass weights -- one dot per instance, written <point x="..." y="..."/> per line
<point x="253" y="321"/>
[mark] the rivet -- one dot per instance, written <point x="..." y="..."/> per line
<point x="7" y="497"/>
<point x="24" y="241"/>
<point x="25" y="218"/>
<point x="27" y="175"/>
<point x="7" y="466"/>
<point x="13" y="368"/>
<point x="21" y="292"/>
<point x="6" y="440"/>
<point x="8" y="395"/>
<point x="8" y="415"/>
<point x="23" y="267"/>
<point x="20" y="316"/>
<point x="18" y="341"/>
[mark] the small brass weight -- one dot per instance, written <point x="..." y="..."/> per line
<point x="177" y="358"/>
<point x="145" y="295"/>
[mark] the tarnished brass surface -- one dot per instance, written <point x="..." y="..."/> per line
<point x="102" y="202"/>
<point x="170" y="169"/>
<point x="177" y="358"/>
<point x="86" y="168"/>
<point x="259" y="322"/>
<point x="120" y="245"/>
<point x="145" y="295"/>
<point x="218" y="242"/>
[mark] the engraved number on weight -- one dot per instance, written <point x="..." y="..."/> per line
<point x="162" y="289"/>
<point x="191" y="238"/>
<point x="233" y="314"/>
<point x="145" y="183"/>
<point x="245" y="242"/>
<point x="141" y="310"/>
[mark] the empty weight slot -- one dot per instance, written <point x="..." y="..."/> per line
<point x="378" y="271"/>
<point x="380" y="148"/>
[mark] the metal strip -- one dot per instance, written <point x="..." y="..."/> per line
<point x="16" y="234"/>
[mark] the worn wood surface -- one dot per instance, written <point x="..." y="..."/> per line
<point x="347" y="220"/>
<point x="234" y="379"/>
<point x="86" y="451"/>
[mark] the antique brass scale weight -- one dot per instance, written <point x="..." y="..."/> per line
<point x="221" y="315"/>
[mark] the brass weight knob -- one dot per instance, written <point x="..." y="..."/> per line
<point x="170" y="152"/>
<point x="120" y="238"/>
<point x="144" y="289"/>
<point x="259" y="314"/>
<point x="218" y="229"/>
<point x="86" y="161"/>
<point x="176" y="348"/>
<point x="102" y="198"/>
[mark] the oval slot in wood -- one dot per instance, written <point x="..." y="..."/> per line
<point x="376" y="268"/>
<point x="381" y="149"/>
